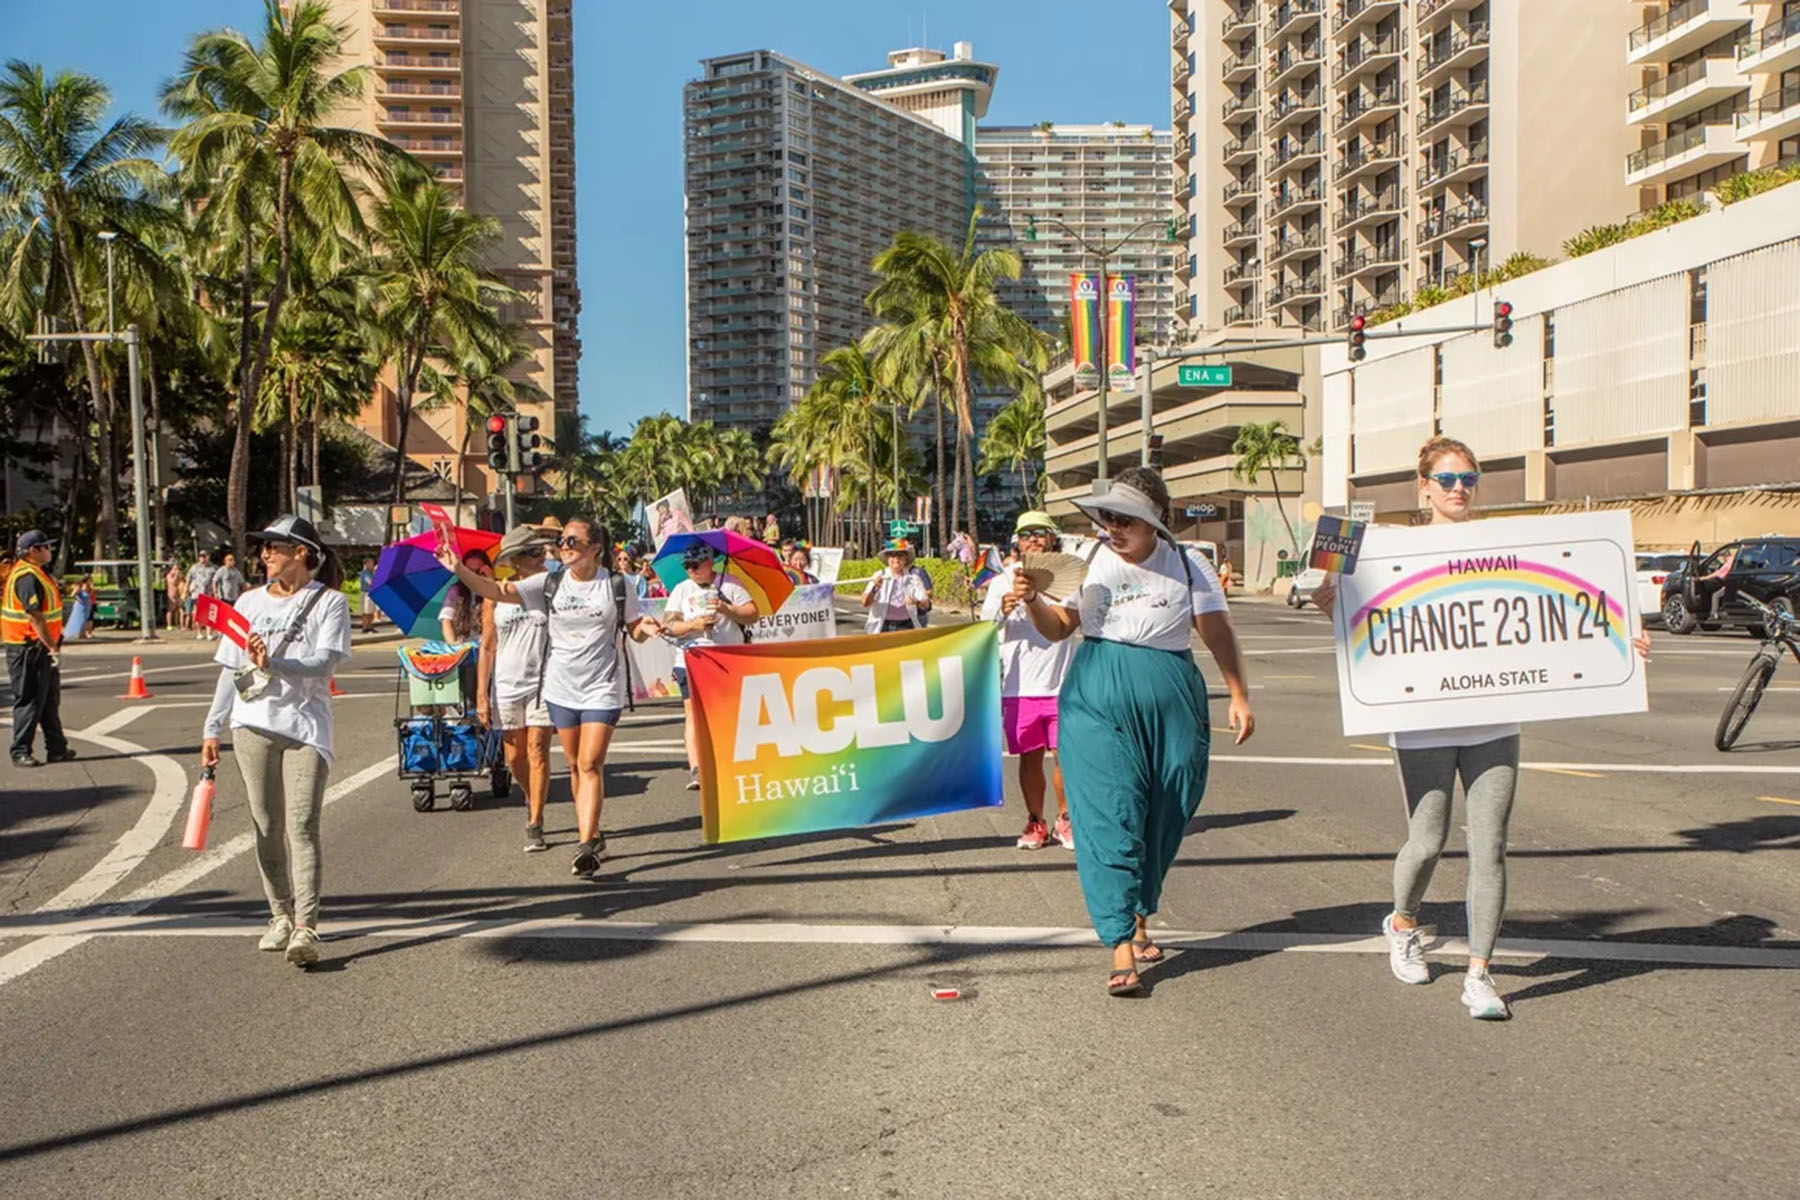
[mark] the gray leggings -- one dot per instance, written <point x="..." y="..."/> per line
<point x="287" y="821"/>
<point x="1489" y="773"/>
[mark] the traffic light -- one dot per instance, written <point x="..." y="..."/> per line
<point x="1502" y="324"/>
<point x="1156" y="454"/>
<point x="499" y="443"/>
<point x="1356" y="337"/>
<point x="526" y="456"/>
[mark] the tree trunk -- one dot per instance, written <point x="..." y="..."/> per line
<point x="290" y="445"/>
<point x="318" y="482"/>
<point x="237" y="482"/>
<point x="106" y="531"/>
<point x="412" y="360"/>
<point x="937" y="483"/>
<point x="238" y="497"/>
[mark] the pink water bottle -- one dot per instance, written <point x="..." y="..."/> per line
<point x="199" y="812"/>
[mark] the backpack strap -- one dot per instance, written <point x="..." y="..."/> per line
<point x="550" y="586"/>
<point x="618" y="591"/>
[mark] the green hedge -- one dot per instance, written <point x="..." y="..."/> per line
<point x="948" y="583"/>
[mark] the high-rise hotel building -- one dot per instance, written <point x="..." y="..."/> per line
<point x="483" y="93"/>
<point x="1333" y="156"/>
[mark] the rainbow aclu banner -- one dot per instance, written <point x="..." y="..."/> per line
<point x="1488" y="622"/>
<point x="863" y="730"/>
<point x="1084" y="328"/>
<point x="1121" y="330"/>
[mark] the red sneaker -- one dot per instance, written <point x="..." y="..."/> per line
<point x="1064" y="833"/>
<point x="1035" y="836"/>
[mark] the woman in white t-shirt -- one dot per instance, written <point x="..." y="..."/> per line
<point x="1487" y="758"/>
<point x="584" y="672"/>
<point x="703" y="610"/>
<point x="281" y="707"/>
<point x="1032" y="668"/>
<point x="896" y="598"/>
<point x="1133" y="710"/>
<point x="508" y="690"/>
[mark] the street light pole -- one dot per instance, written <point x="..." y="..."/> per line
<point x="140" y="480"/>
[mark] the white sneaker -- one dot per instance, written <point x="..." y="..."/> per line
<point x="277" y="935"/>
<point x="303" y="948"/>
<point x="1406" y="952"/>
<point x="1480" y="998"/>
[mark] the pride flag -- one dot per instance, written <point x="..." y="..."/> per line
<point x="803" y="736"/>
<point x="1121" y="330"/>
<point x="988" y="569"/>
<point x="1084" y="328"/>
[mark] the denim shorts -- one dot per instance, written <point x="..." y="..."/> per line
<point x="570" y="718"/>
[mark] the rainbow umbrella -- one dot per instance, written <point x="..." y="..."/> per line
<point x="748" y="562"/>
<point x="410" y="583"/>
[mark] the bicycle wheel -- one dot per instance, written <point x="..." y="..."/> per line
<point x="1743" y="701"/>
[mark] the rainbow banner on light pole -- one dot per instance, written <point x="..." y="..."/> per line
<point x="799" y="736"/>
<point x="1121" y="331"/>
<point x="1084" y="327"/>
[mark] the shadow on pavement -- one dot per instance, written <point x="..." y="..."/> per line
<point x="1741" y="929"/>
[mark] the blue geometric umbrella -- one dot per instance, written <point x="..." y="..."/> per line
<point x="410" y="583"/>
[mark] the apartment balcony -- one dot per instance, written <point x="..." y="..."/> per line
<point x="1776" y="116"/>
<point x="1470" y="217"/>
<point x="1291" y="107"/>
<point x="1774" y="47"/>
<point x="1462" y="108"/>
<point x="1239" y="21"/>
<point x="1310" y="243"/>
<point x="448" y="174"/>
<point x="1291" y="155"/>
<point x="1238" y="108"/>
<point x="1687" y="26"/>
<point x="1455" y="167"/>
<point x="1367" y="55"/>
<point x="1241" y="273"/>
<point x="1240" y="314"/>
<point x="402" y="120"/>
<point x="1184" y="110"/>
<point x="1293" y="64"/>
<point x="1239" y="151"/>
<point x="1372" y="260"/>
<point x="1688" y="153"/>
<point x="1179" y="33"/>
<point x="1352" y="15"/>
<point x="394" y="61"/>
<point x="1184" y="148"/>
<point x="1369" y="109"/>
<point x="1239" y="192"/>
<point x="1688" y="90"/>
<point x="1461" y="50"/>
<point x="1295" y="201"/>
<point x="1357" y="213"/>
<point x="1180" y="70"/>
<point x="1242" y="233"/>
<point x="1301" y="290"/>
<point x="417" y="6"/>
<point x="1238" y="68"/>
<point x="1294" y="16"/>
<point x="405" y="35"/>
<point x="1440" y="9"/>
<point x="428" y="145"/>
<point x="1368" y="157"/>
<point x="403" y="86"/>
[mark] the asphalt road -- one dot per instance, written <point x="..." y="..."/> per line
<point x="755" y="1019"/>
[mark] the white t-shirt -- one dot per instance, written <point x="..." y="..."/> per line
<point x="1030" y="663"/>
<point x="897" y="598"/>
<point x="1438" y="739"/>
<point x="688" y="602"/>
<point x="583" y="670"/>
<point x="518" y="652"/>
<point x="1146" y="604"/>
<point x="298" y="707"/>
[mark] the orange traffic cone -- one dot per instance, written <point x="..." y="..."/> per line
<point x="136" y="690"/>
<point x="335" y="689"/>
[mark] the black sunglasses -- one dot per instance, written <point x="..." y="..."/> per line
<point x="1449" y="479"/>
<point x="574" y="543"/>
<point x="1113" y="520"/>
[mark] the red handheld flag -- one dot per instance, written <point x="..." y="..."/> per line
<point x="440" y="521"/>
<point x="220" y="617"/>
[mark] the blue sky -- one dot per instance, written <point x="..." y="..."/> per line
<point x="631" y="59"/>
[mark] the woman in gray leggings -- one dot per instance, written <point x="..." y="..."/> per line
<point x="1486" y="757"/>
<point x="275" y="691"/>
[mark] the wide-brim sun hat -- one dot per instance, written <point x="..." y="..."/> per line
<point x="288" y="528"/>
<point x="519" y="539"/>
<point x="1115" y="497"/>
<point x="1034" y="519"/>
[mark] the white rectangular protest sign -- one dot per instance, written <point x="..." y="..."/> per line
<point x="1486" y="622"/>
<point x="806" y="615"/>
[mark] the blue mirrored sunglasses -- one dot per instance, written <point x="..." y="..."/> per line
<point x="1449" y="479"/>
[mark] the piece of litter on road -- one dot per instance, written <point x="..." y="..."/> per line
<point x="946" y="993"/>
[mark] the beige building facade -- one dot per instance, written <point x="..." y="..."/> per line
<point x="1333" y="156"/>
<point x="482" y="92"/>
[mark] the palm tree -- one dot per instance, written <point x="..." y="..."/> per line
<point x="65" y="177"/>
<point x="1015" y="440"/>
<point x="256" y="152"/>
<point x="1268" y="446"/>
<point x="433" y="298"/>
<point x="947" y="302"/>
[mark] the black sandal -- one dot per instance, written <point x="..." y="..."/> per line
<point x="1117" y="983"/>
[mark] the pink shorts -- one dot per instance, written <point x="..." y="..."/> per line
<point x="1030" y="723"/>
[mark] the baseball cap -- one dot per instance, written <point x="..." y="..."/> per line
<point x="287" y="528"/>
<point x="31" y="539"/>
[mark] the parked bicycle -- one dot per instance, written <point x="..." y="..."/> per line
<point x="1780" y="629"/>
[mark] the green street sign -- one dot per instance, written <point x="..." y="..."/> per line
<point x="1198" y="375"/>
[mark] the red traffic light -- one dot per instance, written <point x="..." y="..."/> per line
<point x="1502" y="308"/>
<point x="496" y="424"/>
<point x="1357" y="324"/>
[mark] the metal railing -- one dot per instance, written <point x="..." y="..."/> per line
<point x="1455" y="161"/>
<point x="1667" y="23"/>
<point x="1356" y="160"/>
<point x="1363" y="49"/>
<point x="1781" y="101"/>
<point x="1382" y="97"/>
<point x="1386" y="200"/>
<point x="1304" y="148"/>
<point x="1471" y="98"/>
<point x="1681" y="143"/>
<point x="1437" y="55"/>
<point x="1694" y="72"/>
<point x="1288" y="102"/>
<point x="1771" y="34"/>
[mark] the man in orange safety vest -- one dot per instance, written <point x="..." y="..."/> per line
<point x="31" y="628"/>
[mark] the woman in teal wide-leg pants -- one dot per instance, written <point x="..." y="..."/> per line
<point x="1135" y="731"/>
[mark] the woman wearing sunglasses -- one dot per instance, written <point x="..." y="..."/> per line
<point x="583" y="680"/>
<point x="509" y="692"/>
<point x="1487" y="759"/>
<point x="1135" y="731"/>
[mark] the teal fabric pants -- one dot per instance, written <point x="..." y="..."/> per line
<point x="1134" y="741"/>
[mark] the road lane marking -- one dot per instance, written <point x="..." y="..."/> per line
<point x="1779" y="800"/>
<point x="1606" y="768"/>
<point x="36" y="953"/>
<point x="785" y="933"/>
<point x="1290" y="676"/>
<point x="1566" y="771"/>
<point x="1367" y="746"/>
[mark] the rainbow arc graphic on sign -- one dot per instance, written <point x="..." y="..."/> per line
<point x="1438" y="584"/>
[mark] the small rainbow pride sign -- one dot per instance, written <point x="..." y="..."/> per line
<point x="801" y="736"/>
<point x="1488" y="622"/>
